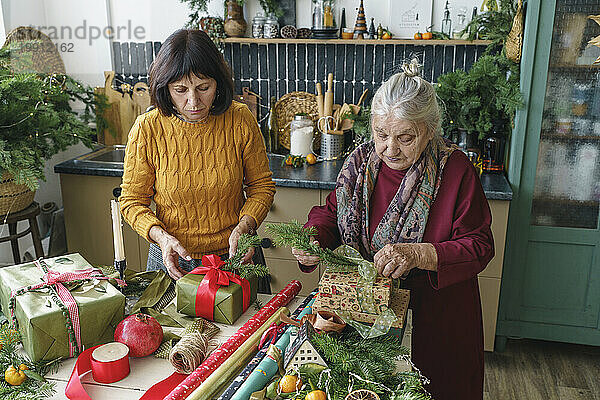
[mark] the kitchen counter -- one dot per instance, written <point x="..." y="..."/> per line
<point x="319" y="176"/>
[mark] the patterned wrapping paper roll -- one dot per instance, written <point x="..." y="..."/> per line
<point x="218" y="357"/>
<point x="241" y="378"/>
<point x="268" y="367"/>
<point x="230" y="367"/>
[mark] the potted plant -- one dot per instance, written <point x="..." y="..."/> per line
<point x="36" y="122"/>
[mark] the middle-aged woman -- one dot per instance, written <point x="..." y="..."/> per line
<point x="199" y="155"/>
<point x="415" y="206"/>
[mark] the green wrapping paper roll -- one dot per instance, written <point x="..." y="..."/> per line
<point x="231" y="367"/>
<point x="228" y="299"/>
<point x="267" y="368"/>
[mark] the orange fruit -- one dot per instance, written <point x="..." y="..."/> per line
<point x="387" y="35"/>
<point x="311" y="158"/>
<point x="418" y="36"/>
<point x="289" y="160"/>
<point x="427" y="36"/>
<point x="316" y="395"/>
<point x="289" y="384"/>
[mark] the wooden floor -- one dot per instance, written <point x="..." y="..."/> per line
<point x="533" y="369"/>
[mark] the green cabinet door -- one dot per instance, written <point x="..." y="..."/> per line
<point x="551" y="282"/>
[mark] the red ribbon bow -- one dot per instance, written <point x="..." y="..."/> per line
<point x="214" y="278"/>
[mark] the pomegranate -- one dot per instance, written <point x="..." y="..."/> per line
<point x="141" y="333"/>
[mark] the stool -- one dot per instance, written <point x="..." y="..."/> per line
<point x="30" y="213"/>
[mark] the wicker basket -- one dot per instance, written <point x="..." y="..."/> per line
<point x="13" y="197"/>
<point x="291" y="104"/>
<point x="37" y="54"/>
<point x="514" y="40"/>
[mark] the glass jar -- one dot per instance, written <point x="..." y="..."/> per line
<point x="258" y="26"/>
<point x="324" y="25"/>
<point x="301" y="135"/>
<point x="271" y="29"/>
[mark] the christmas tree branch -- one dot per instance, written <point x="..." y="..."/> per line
<point x="234" y="264"/>
<point x="293" y="234"/>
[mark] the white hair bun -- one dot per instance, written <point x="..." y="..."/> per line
<point x="412" y="68"/>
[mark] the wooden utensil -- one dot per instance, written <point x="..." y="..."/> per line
<point x="320" y="99"/>
<point x="328" y="104"/>
<point x="362" y="97"/>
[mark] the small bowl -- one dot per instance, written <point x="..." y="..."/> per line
<point x="347" y="35"/>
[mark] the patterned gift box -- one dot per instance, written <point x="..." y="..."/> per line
<point x="398" y="304"/>
<point x="338" y="290"/>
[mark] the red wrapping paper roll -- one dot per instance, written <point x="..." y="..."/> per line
<point x="203" y="371"/>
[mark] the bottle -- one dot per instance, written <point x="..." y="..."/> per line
<point x="379" y="31"/>
<point x="473" y="16"/>
<point x="447" y="22"/>
<point x="461" y="18"/>
<point x="273" y="134"/>
<point x="342" y="21"/>
<point x="318" y="15"/>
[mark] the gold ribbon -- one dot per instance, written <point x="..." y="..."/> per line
<point x="366" y="299"/>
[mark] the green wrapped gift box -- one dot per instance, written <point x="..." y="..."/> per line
<point x="228" y="299"/>
<point x="41" y="322"/>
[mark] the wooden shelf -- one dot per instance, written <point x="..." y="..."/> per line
<point x="245" y="40"/>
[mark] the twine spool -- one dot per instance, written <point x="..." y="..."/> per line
<point x="191" y="351"/>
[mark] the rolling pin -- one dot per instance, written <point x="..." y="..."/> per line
<point x="320" y="99"/>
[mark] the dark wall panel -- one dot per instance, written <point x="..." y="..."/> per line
<point x="276" y="69"/>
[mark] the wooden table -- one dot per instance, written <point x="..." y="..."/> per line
<point x="147" y="371"/>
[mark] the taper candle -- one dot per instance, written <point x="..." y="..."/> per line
<point x="117" y="231"/>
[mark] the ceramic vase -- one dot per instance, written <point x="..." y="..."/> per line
<point x="235" y="25"/>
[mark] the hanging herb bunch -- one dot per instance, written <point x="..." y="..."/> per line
<point x="23" y="379"/>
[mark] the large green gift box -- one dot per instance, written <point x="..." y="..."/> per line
<point x="41" y="322"/>
<point x="228" y="299"/>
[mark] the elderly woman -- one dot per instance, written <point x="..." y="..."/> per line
<point x="199" y="155"/>
<point x="415" y="206"/>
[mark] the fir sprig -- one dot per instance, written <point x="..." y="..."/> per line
<point x="293" y="234"/>
<point x="373" y="360"/>
<point x="31" y="389"/>
<point x="234" y="263"/>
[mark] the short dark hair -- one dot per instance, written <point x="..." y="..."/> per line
<point x="185" y="52"/>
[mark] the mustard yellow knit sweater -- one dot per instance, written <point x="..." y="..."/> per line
<point x="202" y="176"/>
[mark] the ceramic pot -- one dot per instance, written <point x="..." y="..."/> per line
<point x="235" y="25"/>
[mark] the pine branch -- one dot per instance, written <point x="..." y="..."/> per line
<point x="293" y="234"/>
<point x="245" y="271"/>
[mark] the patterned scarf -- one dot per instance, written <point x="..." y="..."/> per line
<point x="406" y="217"/>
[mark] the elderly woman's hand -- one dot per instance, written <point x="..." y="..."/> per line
<point x="246" y="225"/>
<point x="305" y="258"/>
<point x="396" y="260"/>
<point x="171" y="250"/>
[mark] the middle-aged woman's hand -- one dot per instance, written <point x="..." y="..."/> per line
<point x="246" y="225"/>
<point x="396" y="260"/>
<point x="305" y="258"/>
<point x="171" y="250"/>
